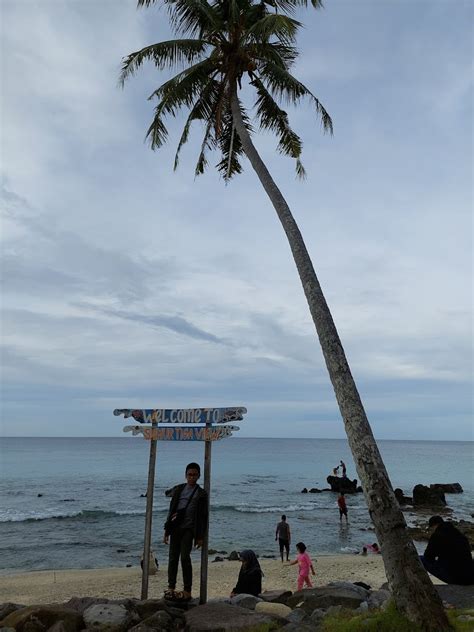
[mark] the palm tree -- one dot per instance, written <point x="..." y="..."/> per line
<point x="220" y="45"/>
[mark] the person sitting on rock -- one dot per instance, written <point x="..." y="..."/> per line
<point x="448" y="554"/>
<point x="250" y="575"/>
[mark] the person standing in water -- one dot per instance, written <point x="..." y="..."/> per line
<point x="341" y="503"/>
<point x="283" y="535"/>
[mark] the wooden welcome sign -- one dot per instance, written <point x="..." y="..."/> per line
<point x="186" y="433"/>
<point x="179" y="424"/>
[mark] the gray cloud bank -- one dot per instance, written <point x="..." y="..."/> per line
<point x="124" y="284"/>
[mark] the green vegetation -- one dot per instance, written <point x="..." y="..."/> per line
<point x="389" y="620"/>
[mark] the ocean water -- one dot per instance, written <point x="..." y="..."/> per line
<point x="76" y="502"/>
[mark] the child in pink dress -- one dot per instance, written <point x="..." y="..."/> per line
<point x="305" y="564"/>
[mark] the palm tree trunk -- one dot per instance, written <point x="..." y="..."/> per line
<point x="412" y="589"/>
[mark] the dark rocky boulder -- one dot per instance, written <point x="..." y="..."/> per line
<point x="161" y="620"/>
<point x="219" y="617"/>
<point x="402" y="499"/>
<point x="82" y="603"/>
<point x="38" y="618"/>
<point x="276" y="596"/>
<point x="424" y="496"/>
<point x="7" y="608"/>
<point x="327" y="596"/>
<point x="146" y="608"/>
<point x="244" y="600"/>
<point x="447" y="488"/>
<point x="342" y="484"/>
<point x="457" y="596"/>
<point x="467" y="528"/>
<point x="113" y="615"/>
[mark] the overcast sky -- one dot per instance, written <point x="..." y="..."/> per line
<point x="126" y="284"/>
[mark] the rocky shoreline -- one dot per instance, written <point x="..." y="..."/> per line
<point x="276" y="610"/>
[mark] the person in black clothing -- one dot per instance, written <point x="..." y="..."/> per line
<point x="189" y="508"/>
<point x="250" y="575"/>
<point x="448" y="554"/>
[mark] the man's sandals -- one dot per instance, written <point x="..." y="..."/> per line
<point x="180" y="596"/>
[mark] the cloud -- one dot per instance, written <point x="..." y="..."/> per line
<point x="174" y="323"/>
<point x="126" y="283"/>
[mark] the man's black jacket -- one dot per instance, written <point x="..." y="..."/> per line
<point x="201" y="511"/>
<point x="451" y="548"/>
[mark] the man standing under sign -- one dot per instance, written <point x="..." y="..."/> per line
<point x="186" y="522"/>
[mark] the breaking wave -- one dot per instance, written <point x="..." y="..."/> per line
<point x="99" y="514"/>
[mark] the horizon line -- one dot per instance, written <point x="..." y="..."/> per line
<point x="233" y="437"/>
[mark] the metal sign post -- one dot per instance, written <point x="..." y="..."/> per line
<point x="182" y="424"/>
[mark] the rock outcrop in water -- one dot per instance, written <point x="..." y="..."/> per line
<point x="431" y="497"/>
<point x="447" y="488"/>
<point x="424" y="496"/>
<point x="343" y="484"/>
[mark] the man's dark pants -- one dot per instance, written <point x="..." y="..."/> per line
<point x="181" y="544"/>
<point x="284" y="544"/>
<point x="438" y="569"/>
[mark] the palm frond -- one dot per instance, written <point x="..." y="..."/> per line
<point x="280" y="54"/>
<point x="277" y="25"/>
<point x="230" y="144"/>
<point x="202" y="110"/>
<point x="182" y="89"/>
<point x="273" y="118"/>
<point x="286" y="87"/>
<point x="157" y="133"/>
<point x="193" y="16"/>
<point x="164" y="55"/>
<point x="300" y="170"/>
<point x="221" y="42"/>
<point x="232" y="9"/>
<point x="208" y="142"/>
<point x="289" y="6"/>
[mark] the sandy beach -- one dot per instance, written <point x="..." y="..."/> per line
<point x="115" y="583"/>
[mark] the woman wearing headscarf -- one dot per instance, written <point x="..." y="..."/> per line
<point x="250" y="575"/>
